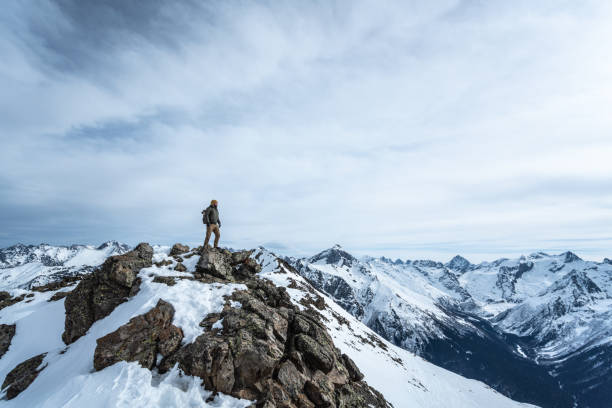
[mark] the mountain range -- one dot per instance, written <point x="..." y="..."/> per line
<point x="535" y="329"/>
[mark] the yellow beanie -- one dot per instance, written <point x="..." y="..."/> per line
<point x="214" y="202"/>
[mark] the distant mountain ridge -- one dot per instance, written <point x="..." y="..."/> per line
<point x="516" y="324"/>
<point x="24" y="266"/>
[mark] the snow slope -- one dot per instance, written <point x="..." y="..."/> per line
<point x="69" y="379"/>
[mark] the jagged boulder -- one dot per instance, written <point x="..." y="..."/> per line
<point x="7" y="300"/>
<point x="267" y="349"/>
<point x="354" y="372"/>
<point x="98" y="294"/>
<point x="20" y="377"/>
<point x="7" y="331"/>
<point x="58" y="296"/>
<point x="240" y="257"/>
<point x="215" y="262"/>
<point x="141" y="339"/>
<point x="226" y="265"/>
<point x="178" y="249"/>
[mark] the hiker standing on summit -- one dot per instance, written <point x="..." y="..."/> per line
<point x="210" y="217"/>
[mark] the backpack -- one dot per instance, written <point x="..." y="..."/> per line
<point x="205" y="216"/>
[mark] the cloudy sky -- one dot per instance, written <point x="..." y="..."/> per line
<point x="412" y="129"/>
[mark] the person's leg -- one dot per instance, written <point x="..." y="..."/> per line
<point x="217" y="235"/>
<point x="208" y="231"/>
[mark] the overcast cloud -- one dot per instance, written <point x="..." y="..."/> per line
<point x="412" y="129"/>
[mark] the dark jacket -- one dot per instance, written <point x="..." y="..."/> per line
<point x="211" y="216"/>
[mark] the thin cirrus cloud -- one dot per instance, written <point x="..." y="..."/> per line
<point x="404" y="129"/>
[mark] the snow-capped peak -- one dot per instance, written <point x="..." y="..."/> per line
<point x="570" y="257"/>
<point x="115" y="245"/>
<point x="459" y="264"/>
<point x="333" y="255"/>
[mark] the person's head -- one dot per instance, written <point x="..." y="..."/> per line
<point x="214" y="203"/>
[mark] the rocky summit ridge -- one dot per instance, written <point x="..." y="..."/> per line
<point x="261" y="347"/>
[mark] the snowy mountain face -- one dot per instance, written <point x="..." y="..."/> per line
<point x="181" y="327"/>
<point x="26" y="266"/>
<point x="536" y="328"/>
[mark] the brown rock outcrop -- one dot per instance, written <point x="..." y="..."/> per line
<point x="178" y="249"/>
<point x="7" y="300"/>
<point x="58" y="296"/>
<point x="260" y="347"/>
<point x="141" y="339"/>
<point x="226" y="265"/>
<point x="268" y="350"/>
<point x="7" y="331"/>
<point x="98" y="294"/>
<point x="180" y="267"/>
<point x="20" y="377"/>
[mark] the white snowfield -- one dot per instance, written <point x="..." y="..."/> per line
<point x="69" y="379"/>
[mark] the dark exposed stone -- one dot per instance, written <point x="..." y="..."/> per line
<point x="165" y="262"/>
<point x="6" y="299"/>
<point x="358" y="394"/>
<point x="7" y="331"/>
<point x="140" y="339"/>
<point x="58" y="296"/>
<point x="180" y="267"/>
<point x="168" y="280"/>
<point x="55" y="285"/>
<point x="178" y="249"/>
<point x="352" y="368"/>
<point x="226" y="265"/>
<point x="215" y="262"/>
<point x="291" y="379"/>
<point x="320" y="390"/>
<point x="20" y="377"/>
<point x="240" y="257"/>
<point x="97" y="295"/>
<point x="315" y="355"/>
